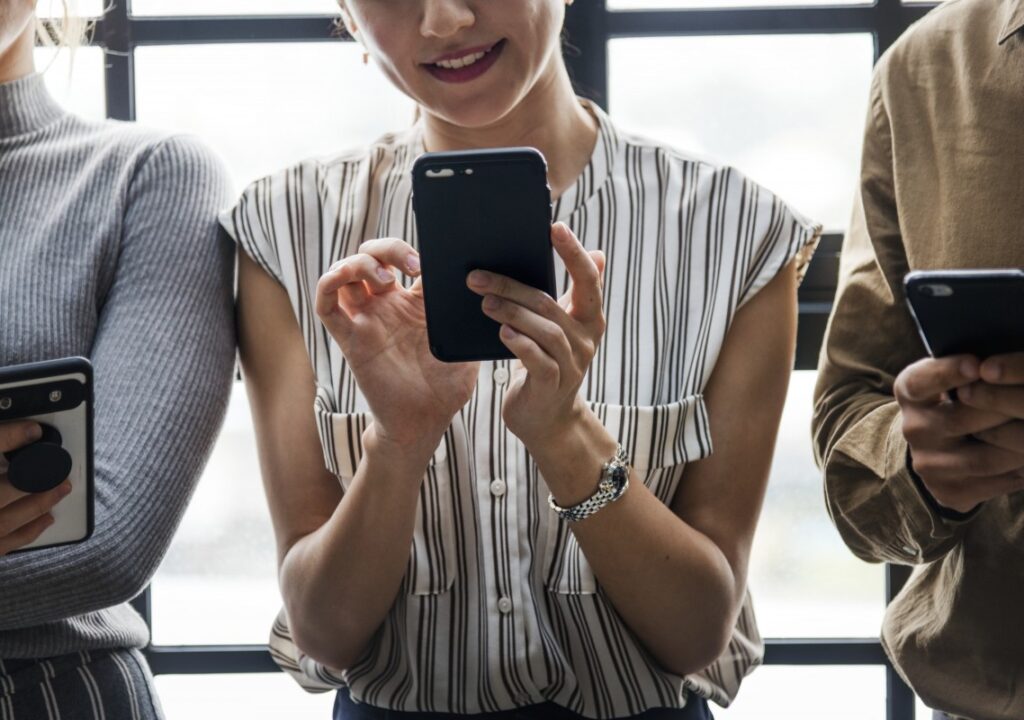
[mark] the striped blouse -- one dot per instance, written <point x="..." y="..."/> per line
<point x="499" y="607"/>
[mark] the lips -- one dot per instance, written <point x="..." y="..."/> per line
<point x="465" y="65"/>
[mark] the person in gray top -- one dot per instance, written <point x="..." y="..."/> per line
<point x="109" y="249"/>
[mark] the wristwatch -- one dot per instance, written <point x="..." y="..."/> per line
<point x="614" y="482"/>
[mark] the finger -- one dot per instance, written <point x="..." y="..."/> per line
<point x="23" y="511"/>
<point x="1005" y="369"/>
<point x="367" y="269"/>
<point x="9" y="493"/>
<point x="583" y="269"/>
<point x="1009" y="436"/>
<point x="537" y="301"/>
<point x="1005" y="399"/>
<point x="549" y="336"/>
<point x="926" y="380"/>
<point x="393" y="252"/>
<point x="25" y="535"/>
<point x="927" y="424"/>
<point x="541" y="367"/>
<point x="970" y="459"/>
<point x="16" y="434"/>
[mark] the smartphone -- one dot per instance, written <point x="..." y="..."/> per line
<point x="479" y="210"/>
<point x="57" y="394"/>
<point x="975" y="312"/>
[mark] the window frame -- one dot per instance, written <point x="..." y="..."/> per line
<point x="590" y="25"/>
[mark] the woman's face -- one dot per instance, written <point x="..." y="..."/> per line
<point x="469" y="62"/>
<point x="15" y="16"/>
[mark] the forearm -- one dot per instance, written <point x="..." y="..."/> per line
<point x="670" y="583"/>
<point x="340" y="582"/>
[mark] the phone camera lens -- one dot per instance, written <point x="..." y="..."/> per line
<point x="55" y="396"/>
<point x="5" y="403"/>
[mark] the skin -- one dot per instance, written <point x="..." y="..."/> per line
<point x="17" y="28"/>
<point x="23" y="518"/>
<point x="970" y="450"/>
<point x="352" y="549"/>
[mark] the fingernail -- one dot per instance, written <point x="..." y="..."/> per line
<point x="508" y="332"/>
<point x="413" y="263"/>
<point x="65" y="489"/>
<point x="964" y="393"/>
<point x="385" y="274"/>
<point x="995" y="370"/>
<point x="491" y="303"/>
<point x="33" y="432"/>
<point x="478" y="278"/>
<point x="50" y="520"/>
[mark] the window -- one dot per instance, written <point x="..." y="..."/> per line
<point x="272" y="74"/>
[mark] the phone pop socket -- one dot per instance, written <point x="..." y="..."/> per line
<point x="41" y="466"/>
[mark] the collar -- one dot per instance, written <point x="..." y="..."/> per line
<point x="26" y="106"/>
<point x="1013" y="19"/>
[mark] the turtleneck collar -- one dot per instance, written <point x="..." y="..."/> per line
<point x="26" y="106"/>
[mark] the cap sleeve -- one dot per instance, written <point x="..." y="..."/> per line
<point x="250" y="223"/>
<point x="780" y="234"/>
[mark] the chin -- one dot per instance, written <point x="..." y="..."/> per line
<point x="477" y="113"/>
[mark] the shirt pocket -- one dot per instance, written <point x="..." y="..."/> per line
<point x="431" y="568"/>
<point x="659" y="440"/>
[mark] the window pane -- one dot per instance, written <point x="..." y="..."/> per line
<point x="787" y="110"/>
<point x="234" y="7"/>
<point x="218" y="584"/>
<point x="253" y="697"/>
<point x="804" y="581"/>
<point x="266" y="106"/>
<point x="76" y="84"/>
<point x="779" y="692"/>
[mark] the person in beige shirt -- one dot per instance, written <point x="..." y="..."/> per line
<point x="912" y="477"/>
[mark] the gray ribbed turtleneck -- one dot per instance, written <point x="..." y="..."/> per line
<point x="109" y="248"/>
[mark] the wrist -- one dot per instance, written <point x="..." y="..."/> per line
<point x="572" y="458"/>
<point x="406" y="457"/>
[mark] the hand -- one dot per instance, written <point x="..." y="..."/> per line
<point x="951" y="442"/>
<point x="23" y="517"/>
<point x="554" y="341"/>
<point x="1000" y="391"/>
<point x="382" y="331"/>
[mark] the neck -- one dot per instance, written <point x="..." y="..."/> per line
<point x="565" y="132"/>
<point x="17" y="60"/>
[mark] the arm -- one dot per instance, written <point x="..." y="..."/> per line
<point x="875" y="500"/>
<point x="677" y="575"/>
<point x="163" y="356"/>
<point x="343" y="556"/>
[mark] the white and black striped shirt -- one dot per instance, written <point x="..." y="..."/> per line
<point x="499" y="607"/>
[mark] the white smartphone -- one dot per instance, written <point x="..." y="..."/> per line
<point x="57" y="394"/>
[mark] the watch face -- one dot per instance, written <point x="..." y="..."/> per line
<point x="619" y="474"/>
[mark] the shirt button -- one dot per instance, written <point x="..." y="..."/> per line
<point x="505" y="605"/>
<point x="500" y="376"/>
<point x="909" y="551"/>
<point x="498" y="488"/>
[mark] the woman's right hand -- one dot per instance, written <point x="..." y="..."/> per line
<point x="382" y="331"/>
<point x="23" y="517"/>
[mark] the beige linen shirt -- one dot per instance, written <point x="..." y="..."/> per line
<point x="942" y="186"/>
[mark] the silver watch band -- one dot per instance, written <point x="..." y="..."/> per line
<point x="614" y="482"/>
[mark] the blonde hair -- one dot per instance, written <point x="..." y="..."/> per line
<point x="67" y="30"/>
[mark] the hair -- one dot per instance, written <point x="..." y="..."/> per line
<point x="68" y="30"/>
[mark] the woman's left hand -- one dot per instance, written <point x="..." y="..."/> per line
<point x="554" y="340"/>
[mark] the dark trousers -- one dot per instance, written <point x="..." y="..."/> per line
<point x="345" y="709"/>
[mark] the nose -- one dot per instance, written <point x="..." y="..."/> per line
<point x="445" y="18"/>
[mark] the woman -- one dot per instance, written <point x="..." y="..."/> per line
<point x="109" y="249"/>
<point x="434" y="577"/>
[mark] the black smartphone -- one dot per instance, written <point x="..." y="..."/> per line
<point x="57" y="394"/>
<point x="975" y="312"/>
<point x="479" y="210"/>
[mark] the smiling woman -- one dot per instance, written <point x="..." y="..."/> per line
<point x="441" y="544"/>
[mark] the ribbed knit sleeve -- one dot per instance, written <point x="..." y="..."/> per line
<point x="163" y="355"/>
